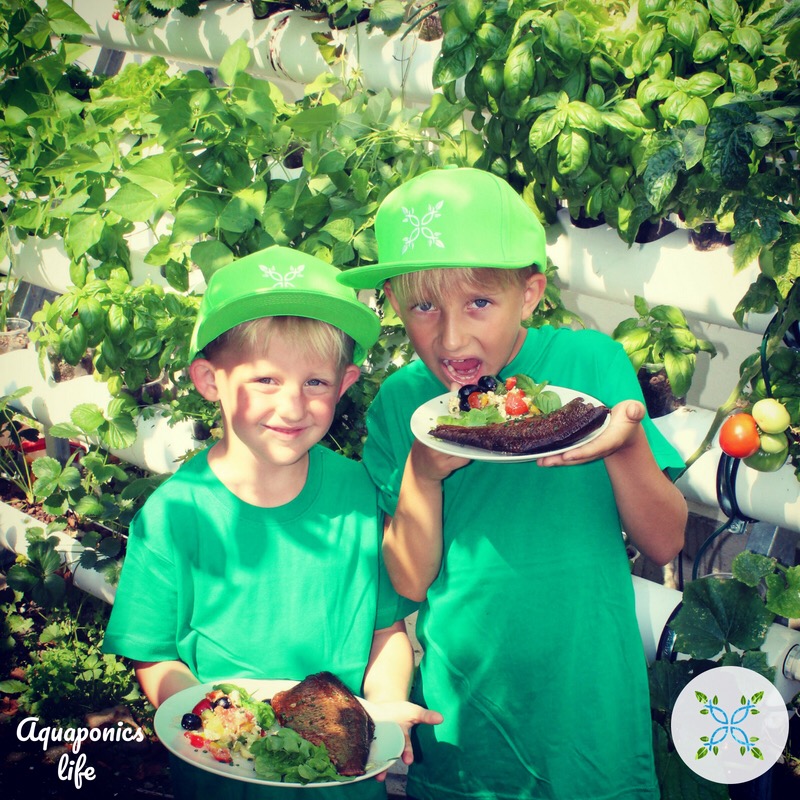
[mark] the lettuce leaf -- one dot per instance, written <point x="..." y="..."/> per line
<point x="473" y="418"/>
<point x="288" y="758"/>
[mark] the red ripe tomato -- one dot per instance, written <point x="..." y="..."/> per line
<point x="511" y="383"/>
<point x="115" y="15"/>
<point x="738" y="436"/>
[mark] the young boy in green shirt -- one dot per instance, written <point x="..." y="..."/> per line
<point x="527" y="620"/>
<point x="260" y="557"/>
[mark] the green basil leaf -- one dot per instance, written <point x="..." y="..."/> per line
<point x="573" y="150"/>
<point x="518" y="72"/>
<point x="709" y="46"/>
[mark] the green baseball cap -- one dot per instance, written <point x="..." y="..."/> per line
<point x="281" y="282"/>
<point x="451" y="217"/>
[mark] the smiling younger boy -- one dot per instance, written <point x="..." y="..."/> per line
<point x="260" y="557"/>
<point x="531" y="646"/>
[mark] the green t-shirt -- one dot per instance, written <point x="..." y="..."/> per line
<point x="532" y="648"/>
<point x="237" y="591"/>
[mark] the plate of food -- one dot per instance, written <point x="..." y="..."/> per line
<point x="512" y="420"/>
<point x="300" y="734"/>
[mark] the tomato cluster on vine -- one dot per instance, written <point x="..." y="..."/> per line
<point x="759" y="438"/>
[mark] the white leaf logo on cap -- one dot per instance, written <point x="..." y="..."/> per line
<point x="283" y="280"/>
<point x="420" y="227"/>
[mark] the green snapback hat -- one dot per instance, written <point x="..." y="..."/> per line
<point x="279" y="282"/>
<point x="451" y="217"/>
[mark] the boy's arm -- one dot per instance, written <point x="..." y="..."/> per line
<point x="387" y="680"/>
<point x="652" y="509"/>
<point x="161" y="679"/>
<point x="412" y="541"/>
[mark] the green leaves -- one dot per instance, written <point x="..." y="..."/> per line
<point x="660" y="337"/>
<point x="38" y="575"/>
<point x="717" y="613"/>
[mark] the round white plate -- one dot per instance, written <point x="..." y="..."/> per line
<point x="386" y="748"/>
<point x="424" y="419"/>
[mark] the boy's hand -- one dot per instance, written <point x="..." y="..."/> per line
<point x="407" y="715"/>
<point x="432" y="465"/>
<point x="624" y="427"/>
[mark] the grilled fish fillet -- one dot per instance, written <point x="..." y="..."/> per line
<point x="324" y="711"/>
<point x="560" y="428"/>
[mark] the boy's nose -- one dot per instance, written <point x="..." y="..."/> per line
<point x="452" y="333"/>
<point x="290" y="404"/>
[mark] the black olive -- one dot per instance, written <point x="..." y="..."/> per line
<point x="223" y="701"/>
<point x="191" y="722"/>
<point x="463" y="394"/>
<point x="487" y="383"/>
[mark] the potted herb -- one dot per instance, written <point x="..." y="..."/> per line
<point x="663" y="352"/>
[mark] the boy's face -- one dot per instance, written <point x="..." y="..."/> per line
<point x="275" y="405"/>
<point x="471" y="332"/>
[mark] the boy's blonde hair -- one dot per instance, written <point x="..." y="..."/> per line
<point x="316" y="339"/>
<point x="432" y="285"/>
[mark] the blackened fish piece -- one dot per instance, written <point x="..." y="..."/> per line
<point x="560" y="428"/>
<point x="324" y="711"/>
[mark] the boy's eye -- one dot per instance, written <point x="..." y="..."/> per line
<point x="482" y="302"/>
<point x="424" y="305"/>
<point x="266" y="381"/>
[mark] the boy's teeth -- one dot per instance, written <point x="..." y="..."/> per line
<point x="464" y="369"/>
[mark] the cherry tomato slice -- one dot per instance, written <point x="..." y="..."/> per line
<point x="203" y="705"/>
<point x="474" y="400"/>
<point x="515" y="405"/>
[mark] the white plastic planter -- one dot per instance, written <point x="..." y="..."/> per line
<point x="45" y="263"/>
<point x="655" y="605"/>
<point x="596" y="262"/>
<point x="15" y="524"/>
<point x="281" y="45"/>
<point x="159" y="446"/>
<point x="767" y="496"/>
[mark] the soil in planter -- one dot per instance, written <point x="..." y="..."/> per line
<point x="582" y="221"/>
<point x="62" y="371"/>
<point x="658" y="396"/>
<point x="653" y="231"/>
<point x="13" y="340"/>
<point x="707" y="237"/>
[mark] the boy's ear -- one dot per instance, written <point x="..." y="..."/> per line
<point x="203" y="376"/>
<point x="533" y="293"/>
<point x="392" y="297"/>
<point x="351" y="374"/>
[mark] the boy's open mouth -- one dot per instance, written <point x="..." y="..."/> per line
<point x="463" y="370"/>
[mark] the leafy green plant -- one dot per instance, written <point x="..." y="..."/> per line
<point x="54" y="653"/>
<point x="721" y="622"/>
<point x="660" y="339"/>
<point x="14" y="433"/>
<point x="137" y="333"/>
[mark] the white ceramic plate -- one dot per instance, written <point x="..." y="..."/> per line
<point x="385" y="750"/>
<point x="424" y="419"/>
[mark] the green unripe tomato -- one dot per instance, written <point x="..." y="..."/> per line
<point x="771" y="416"/>
<point x="773" y="442"/>
<point x="767" y="462"/>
